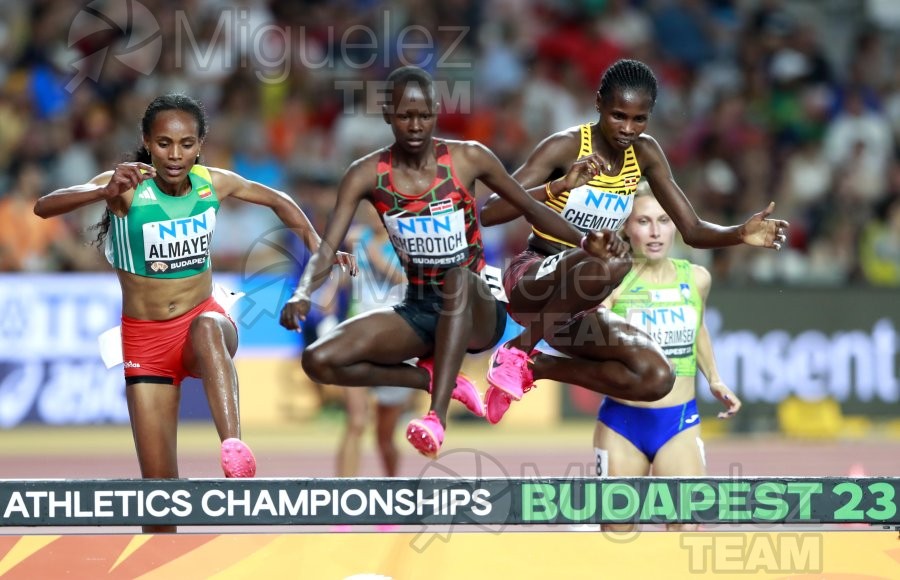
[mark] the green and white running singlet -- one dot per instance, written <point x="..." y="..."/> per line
<point x="670" y="313"/>
<point x="165" y="236"/>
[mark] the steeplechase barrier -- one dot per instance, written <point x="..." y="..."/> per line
<point x="450" y="501"/>
<point x="451" y="528"/>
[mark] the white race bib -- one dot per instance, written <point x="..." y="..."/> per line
<point x="602" y="456"/>
<point x="494" y="280"/>
<point x="671" y="327"/>
<point x="548" y="266"/>
<point x="430" y="240"/>
<point x="110" y="342"/>
<point x="181" y="244"/>
<point x="591" y="209"/>
<point x="544" y="347"/>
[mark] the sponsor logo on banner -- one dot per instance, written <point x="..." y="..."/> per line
<point x="855" y="364"/>
<point x="50" y="366"/>
<point x="51" y="370"/>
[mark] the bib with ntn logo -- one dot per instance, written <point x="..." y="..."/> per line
<point x="604" y="202"/>
<point x="434" y="230"/>
<point x="671" y="313"/>
<point x="165" y="236"/>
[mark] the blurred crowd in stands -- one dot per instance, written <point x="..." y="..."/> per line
<point x="796" y="101"/>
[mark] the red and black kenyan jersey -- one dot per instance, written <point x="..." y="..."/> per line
<point x="432" y="231"/>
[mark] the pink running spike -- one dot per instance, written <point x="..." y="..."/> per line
<point x="237" y="459"/>
<point x="509" y="371"/>
<point x="465" y="391"/>
<point x="426" y="434"/>
<point x="496" y="403"/>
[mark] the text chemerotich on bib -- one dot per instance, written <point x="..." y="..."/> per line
<point x="434" y="230"/>
<point x="438" y="239"/>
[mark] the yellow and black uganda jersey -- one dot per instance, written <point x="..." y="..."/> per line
<point x="605" y="202"/>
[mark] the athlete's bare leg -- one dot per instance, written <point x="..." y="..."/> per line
<point x="387" y="417"/>
<point x="368" y="350"/>
<point x="682" y="455"/>
<point x="153" y="409"/>
<point x="466" y="299"/>
<point x="572" y="283"/>
<point x="208" y="355"/>
<point x="609" y="356"/>
<point x="624" y="460"/>
<point x="356" y="407"/>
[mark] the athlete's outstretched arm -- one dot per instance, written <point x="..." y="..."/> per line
<point x="706" y="358"/>
<point x="354" y="185"/>
<point x="552" y="154"/>
<point x="109" y="187"/>
<point x="490" y="171"/>
<point x="230" y="184"/>
<point x="759" y="230"/>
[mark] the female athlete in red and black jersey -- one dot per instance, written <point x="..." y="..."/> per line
<point x="422" y="187"/>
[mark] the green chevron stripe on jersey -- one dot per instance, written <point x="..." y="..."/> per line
<point x="164" y="236"/>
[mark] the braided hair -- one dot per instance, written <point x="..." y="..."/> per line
<point x="169" y="102"/>
<point x="627" y="74"/>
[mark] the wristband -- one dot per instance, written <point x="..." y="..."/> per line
<point x="549" y="191"/>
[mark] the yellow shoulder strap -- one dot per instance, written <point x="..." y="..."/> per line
<point x="202" y="172"/>
<point x="587" y="147"/>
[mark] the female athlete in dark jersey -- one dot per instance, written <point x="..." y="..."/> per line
<point x="422" y="187"/>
